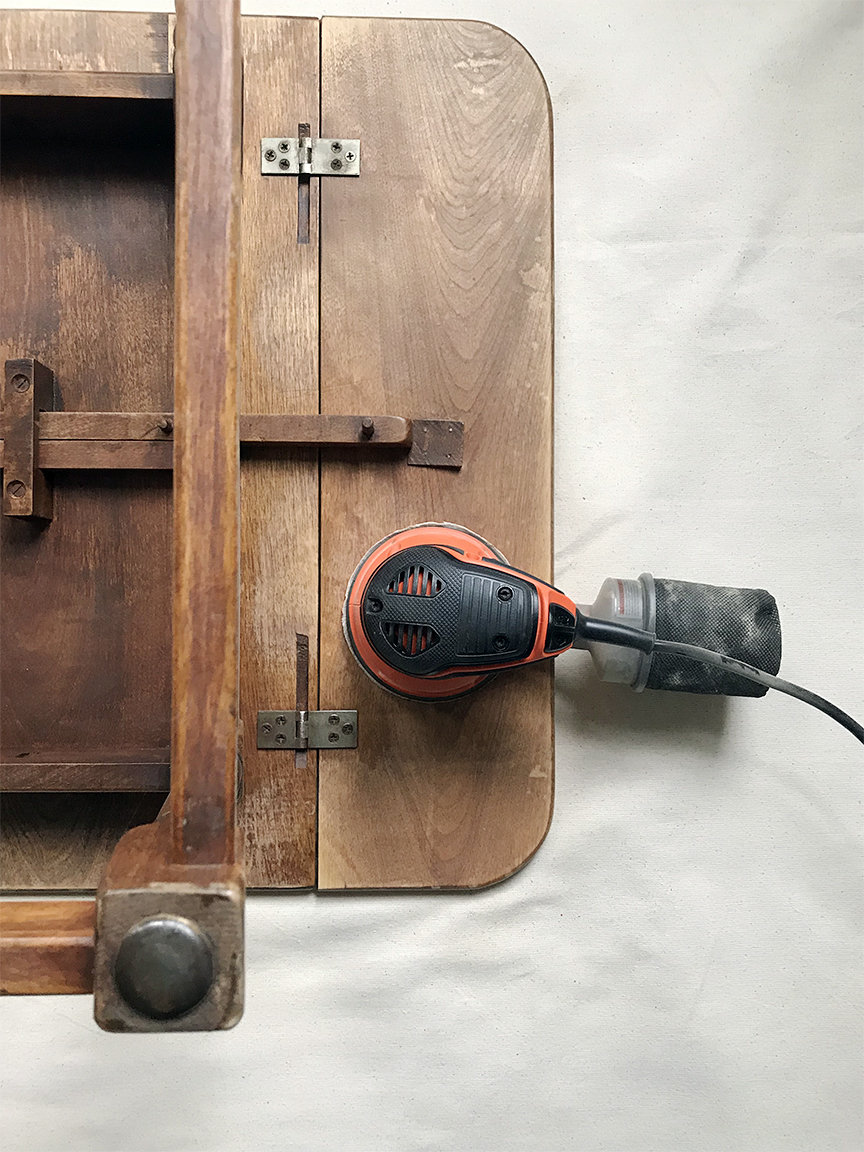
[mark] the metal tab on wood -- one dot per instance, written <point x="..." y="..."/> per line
<point x="29" y="391"/>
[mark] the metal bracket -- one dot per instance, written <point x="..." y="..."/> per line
<point x="336" y="728"/>
<point x="304" y="155"/>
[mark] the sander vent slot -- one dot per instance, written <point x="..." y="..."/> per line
<point x="410" y="639"/>
<point x="415" y="581"/>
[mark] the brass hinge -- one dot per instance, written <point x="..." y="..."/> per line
<point x="336" y="728"/>
<point x="307" y="156"/>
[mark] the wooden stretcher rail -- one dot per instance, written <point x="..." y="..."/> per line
<point x="118" y="85"/>
<point x="46" y="947"/>
<point x="127" y="776"/>
<point x="144" y="440"/>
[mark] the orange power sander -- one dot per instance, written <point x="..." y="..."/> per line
<point x="434" y="611"/>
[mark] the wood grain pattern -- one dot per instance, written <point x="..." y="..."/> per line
<point x="118" y="85"/>
<point x="86" y="287"/>
<point x="54" y="841"/>
<point x="204" y="662"/>
<point x="436" y="273"/>
<point x="279" y="532"/>
<point x="83" y="41"/>
<point x="46" y="947"/>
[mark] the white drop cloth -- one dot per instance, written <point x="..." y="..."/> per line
<point x="679" y="969"/>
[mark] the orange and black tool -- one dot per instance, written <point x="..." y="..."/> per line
<point x="433" y="611"/>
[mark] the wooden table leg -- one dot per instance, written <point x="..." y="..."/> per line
<point x="169" y="941"/>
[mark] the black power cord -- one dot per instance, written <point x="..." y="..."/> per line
<point x="609" y="632"/>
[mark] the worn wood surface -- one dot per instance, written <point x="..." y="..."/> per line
<point x="46" y="946"/>
<point x="436" y="275"/>
<point x="279" y="536"/>
<point x="86" y="250"/>
<point x="143" y="878"/>
<point x="204" y="679"/>
<point x="435" y="300"/>
<point x="46" y="41"/>
<point x="118" y="85"/>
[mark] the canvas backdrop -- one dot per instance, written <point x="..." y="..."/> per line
<point x="679" y="968"/>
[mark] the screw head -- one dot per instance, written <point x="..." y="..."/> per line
<point x="16" y="489"/>
<point x="270" y="155"/>
<point x="374" y="605"/>
<point x="20" y="382"/>
<point x="333" y="720"/>
<point x="347" y="729"/>
<point x="336" y="165"/>
<point x="266" y="727"/>
<point x="284" y="163"/>
<point x="500" y="642"/>
<point x="333" y="737"/>
<point x="505" y="593"/>
<point x="164" y="967"/>
<point x="281" y="738"/>
<point x="283" y="145"/>
<point x="280" y="720"/>
<point x="335" y="146"/>
<point x="350" y="156"/>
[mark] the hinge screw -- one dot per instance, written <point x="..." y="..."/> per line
<point x="20" y="383"/>
<point x="284" y="163"/>
<point x="281" y="738"/>
<point x="283" y="145"/>
<point x="367" y="427"/>
<point x="266" y="728"/>
<point x="270" y="155"/>
<point x="335" y="146"/>
<point x="350" y="157"/>
<point x="347" y="729"/>
<point x="333" y="720"/>
<point x="336" y="165"/>
<point x="333" y="737"/>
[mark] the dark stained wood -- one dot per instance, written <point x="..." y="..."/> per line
<point x="118" y="85"/>
<point x="257" y="428"/>
<point x="132" y="776"/>
<point x="204" y="660"/>
<point x="86" y="287"/>
<point x="46" y="947"/>
<point x="29" y="391"/>
<point x="46" y="41"/>
<point x="436" y="275"/>
<point x="324" y="430"/>
<point x="279" y="523"/>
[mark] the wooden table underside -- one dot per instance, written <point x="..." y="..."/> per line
<point x="426" y="291"/>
